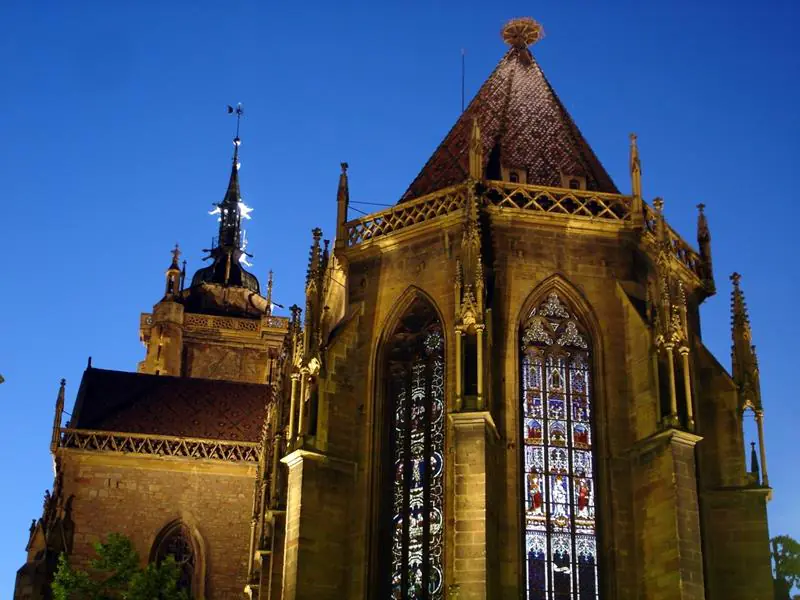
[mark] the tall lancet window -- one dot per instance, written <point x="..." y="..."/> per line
<point x="558" y="478"/>
<point x="175" y="540"/>
<point x="414" y="412"/>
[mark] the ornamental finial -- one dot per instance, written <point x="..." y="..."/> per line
<point x="176" y="254"/>
<point x="522" y="32"/>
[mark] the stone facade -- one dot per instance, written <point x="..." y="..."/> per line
<point x="140" y="496"/>
<point x="482" y="238"/>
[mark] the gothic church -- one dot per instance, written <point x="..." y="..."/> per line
<point x="496" y="388"/>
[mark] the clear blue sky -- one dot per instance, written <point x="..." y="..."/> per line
<point x="115" y="144"/>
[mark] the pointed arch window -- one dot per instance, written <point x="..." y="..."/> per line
<point x="413" y="487"/>
<point x="558" y="503"/>
<point x="176" y="541"/>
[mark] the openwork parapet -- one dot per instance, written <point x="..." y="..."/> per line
<point x="680" y="249"/>
<point x="406" y="214"/>
<point x="582" y="204"/>
<point x="559" y="201"/>
<point x="158" y="445"/>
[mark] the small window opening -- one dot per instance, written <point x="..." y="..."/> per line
<point x="574" y="184"/>
<point x="513" y="177"/>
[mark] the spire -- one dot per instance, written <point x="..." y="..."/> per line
<point x="704" y="244"/>
<point x="314" y="257"/>
<point x="57" y="418"/>
<point x="522" y="122"/>
<point x="637" y="207"/>
<point x="227" y="249"/>
<point x="754" y="462"/>
<point x="743" y="352"/>
<point x="313" y="296"/>
<point x="173" y="285"/>
<point x="176" y="255"/>
<point x="476" y="152"/>
<point x="342" y="204"/>
<point x="269" y="293"/>
<point x="636" y="168"/>
<point x="230" y="221"/>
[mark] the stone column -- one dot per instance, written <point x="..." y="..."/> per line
<point x="687" y="387"/>
<point x="459" y="370"/>
<point x="292" y="408"/>
<point x="673" y="400"/>
<point x="474" y="433"/>
<point x="762" y="449"/>
<point x="301" y="404"/>
<point x="479" y="343"/>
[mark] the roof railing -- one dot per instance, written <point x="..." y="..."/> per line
<point x="581" y="204"/>
<point x="406" y="214"/>
<point x="158" y="445"/>
<point x="559" y="201"/>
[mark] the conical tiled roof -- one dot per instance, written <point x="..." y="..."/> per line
<point x="523" y="126"/>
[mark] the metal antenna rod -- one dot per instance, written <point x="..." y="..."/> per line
<point x="463" y="66"/>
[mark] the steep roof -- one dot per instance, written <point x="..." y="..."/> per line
<point x="523" y="125"/>
<point x="177" y="406"/>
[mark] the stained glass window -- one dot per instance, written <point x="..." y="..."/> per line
<point x="558" y="475"/>
<point x="415" y="411"/>
<point x="176" y="541"/>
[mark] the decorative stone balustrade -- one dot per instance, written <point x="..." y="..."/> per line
<point x="158" y="445"/>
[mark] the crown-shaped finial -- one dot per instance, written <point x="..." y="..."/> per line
<point x="522" y="32"/>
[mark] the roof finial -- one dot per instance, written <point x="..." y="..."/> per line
<point x="475" y="152"/>
<point x="238" y="111"/>
<point x="704" y="244"/>
<point x="635" y="167"/>
<point x="57" y="418"/>
<point x="176" y="254"/>
<point x="269" y="293"/>
<point x="522" y="32"/>
<point x="342" y="204"/>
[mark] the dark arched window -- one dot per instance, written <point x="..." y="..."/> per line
<point x="574" y="184"/>
<point x="414" y="413"/>
<point x="513" y="177"/>
<point x="559" y="475"/>
<point x="176" y="541"/>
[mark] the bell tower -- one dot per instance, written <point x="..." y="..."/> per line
<point x="220" y="327"/>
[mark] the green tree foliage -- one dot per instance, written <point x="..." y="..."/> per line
<point x="786" y="563"/>
<point x="116" y="575"/>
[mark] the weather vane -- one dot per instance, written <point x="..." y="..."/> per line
<point x="238" y="111"/>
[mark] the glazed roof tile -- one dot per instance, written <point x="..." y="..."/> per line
<point x="176" y="406"/>
<point x="523" y="125"/>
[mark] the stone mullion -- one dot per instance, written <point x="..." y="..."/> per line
<point x="571" y="474"/>
<point x="426" y="483"/>
<point x="547" y="501"/>
<point x="407" y="463"/>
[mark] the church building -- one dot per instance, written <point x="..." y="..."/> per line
<point x="495" y="388"/>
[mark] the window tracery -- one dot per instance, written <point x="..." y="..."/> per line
<point x="558" y="476"/>
<point x="415" y="416"/>
<point x="176" y="541"/>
